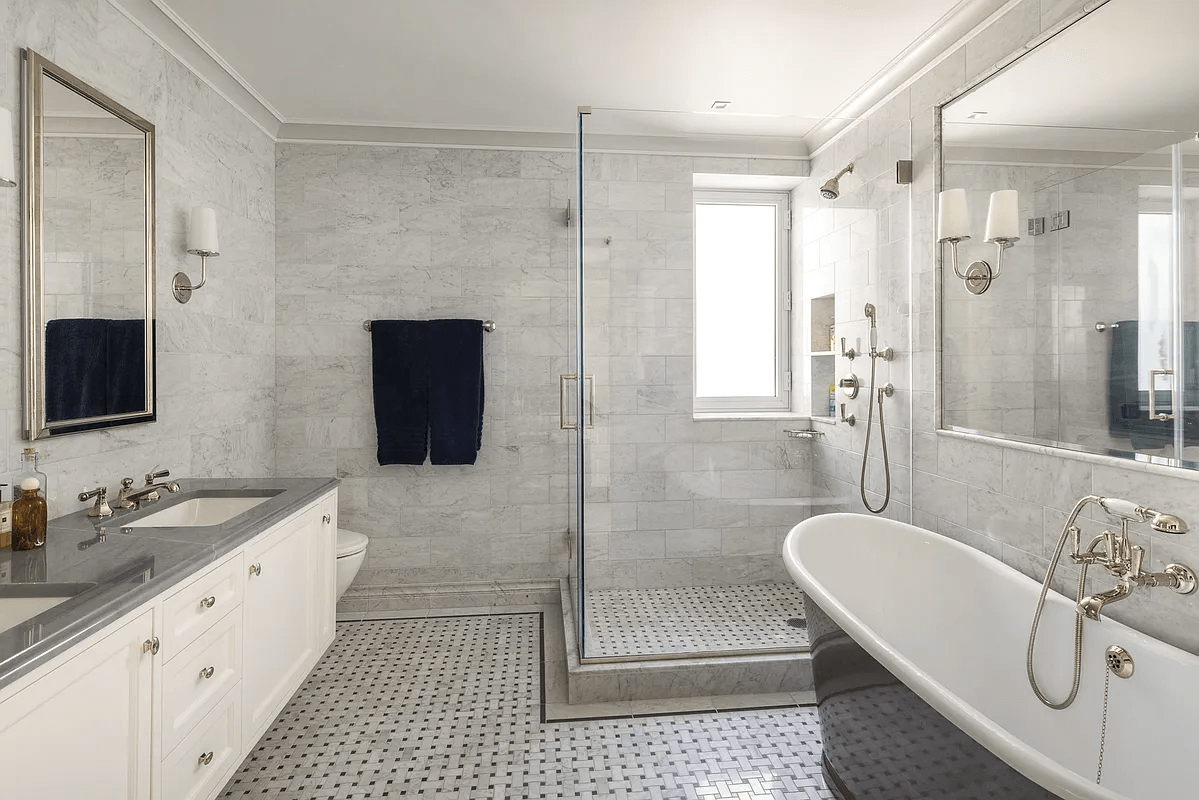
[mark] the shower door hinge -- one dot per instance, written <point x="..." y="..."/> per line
<point x="789" y="218"/>
<point x="787" y="380"/>
<point x="787" y="300"/>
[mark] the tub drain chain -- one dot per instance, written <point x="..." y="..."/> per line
<point x="1107" y="682"/>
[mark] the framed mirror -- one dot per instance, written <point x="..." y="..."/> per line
<point x="89" y="257"/>
<point x="1088" y="339"/>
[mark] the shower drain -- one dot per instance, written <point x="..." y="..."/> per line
<point x="797" y="622"/>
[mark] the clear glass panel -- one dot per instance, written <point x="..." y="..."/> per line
<point x="683" y="517"/>
<point x="1188" y="291"/>
<point x="735" y="318"/>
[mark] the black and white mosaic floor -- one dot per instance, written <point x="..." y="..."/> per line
<point x="452" y="707"/>
<point x="695" y="619"/>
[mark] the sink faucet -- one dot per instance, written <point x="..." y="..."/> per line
<point x="134" y="498"/>
<point x="1124" y="561"/>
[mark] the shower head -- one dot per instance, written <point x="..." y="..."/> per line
<point x="832" y="188"/>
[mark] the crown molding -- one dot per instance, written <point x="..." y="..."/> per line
<point x="175" y="36"/>
<point x="776" y="149"/>
<point x="919" y="57"/>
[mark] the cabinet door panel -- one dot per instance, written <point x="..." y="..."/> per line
<point x="87" y="724"/>
<point x="280" y="618"/>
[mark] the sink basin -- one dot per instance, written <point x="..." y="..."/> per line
<point x="21" y="601"/>
<point x="203" y="510"/>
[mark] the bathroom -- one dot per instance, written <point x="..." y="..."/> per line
<point x="652" y="595"/>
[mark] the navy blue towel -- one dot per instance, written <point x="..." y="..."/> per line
<point x="400" y="365"/>
<point x="76" y="367"/>
<point x="455" y="390"/>
<point x="126" y="380"/>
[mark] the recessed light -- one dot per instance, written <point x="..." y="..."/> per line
<point x="720" y="105"/>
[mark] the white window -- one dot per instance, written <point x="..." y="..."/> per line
<point x="742" y="361"/>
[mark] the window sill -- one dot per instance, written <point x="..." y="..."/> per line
<point x="727" y="416"/>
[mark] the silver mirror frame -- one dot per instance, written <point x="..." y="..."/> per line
<point x="35" y="70"/>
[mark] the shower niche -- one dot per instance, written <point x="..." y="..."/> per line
<point x="1088" y="341"/>
<point x="823" y="344"/>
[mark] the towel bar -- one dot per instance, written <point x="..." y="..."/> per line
<point x="488" y="325"/>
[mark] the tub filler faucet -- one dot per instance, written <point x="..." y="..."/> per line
<point x="1124" y="561"/>
<point x="1121" y="559"/>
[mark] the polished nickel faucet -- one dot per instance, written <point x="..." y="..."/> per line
<point x="134" y="498"/>
<point x="1124" y="560"/>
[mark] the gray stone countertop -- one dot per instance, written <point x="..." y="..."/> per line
<point x="107" y="569"/>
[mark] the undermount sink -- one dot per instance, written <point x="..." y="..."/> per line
<point x="203" y="510"/>
<point x="23" y="601"/>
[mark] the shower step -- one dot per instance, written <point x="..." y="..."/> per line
<point x="668" y="678"/>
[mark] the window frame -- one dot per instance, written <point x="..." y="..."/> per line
<point x="779" y="403"/>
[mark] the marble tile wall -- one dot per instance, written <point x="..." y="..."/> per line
<point x="1006" y="500"/>
<point x="216" y="355"/>
<point x="377" y="232"/>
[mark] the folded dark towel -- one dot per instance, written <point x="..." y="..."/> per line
<point x="455" y="390"/>
<point x="400" y="366"/>
<point x="126" y="380"/>
<point x="76" y="367"/>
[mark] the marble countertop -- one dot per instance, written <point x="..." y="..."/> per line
<point x="109" y="569"/>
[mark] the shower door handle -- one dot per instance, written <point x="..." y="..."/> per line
<point x="1153" y="373"/>
<point x="571" y="426"/>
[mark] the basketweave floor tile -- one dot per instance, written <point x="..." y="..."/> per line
<point x="451" y="707"/>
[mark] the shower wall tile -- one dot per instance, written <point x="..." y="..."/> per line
<point x="1003" y="498"/>
<point x="377" y="232"/>
<point x="216" y="381"/>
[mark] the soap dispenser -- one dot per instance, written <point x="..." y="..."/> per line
<point x="29" y="516"/>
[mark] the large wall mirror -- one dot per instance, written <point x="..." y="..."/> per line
<point x="89" y="249"/>
<point x="1088" y="338"/>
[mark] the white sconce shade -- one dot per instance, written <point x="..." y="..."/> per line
<point x="953" y="216"/>
<point x="1003" y="216"/>
<point x="8" y="155"/>
<point x="202" y="234"/>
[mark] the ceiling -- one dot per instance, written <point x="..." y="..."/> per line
<point x="526" y="65"/>
<point x="1124" y="79"/>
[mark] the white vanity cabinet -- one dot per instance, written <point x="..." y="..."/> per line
<point x="84" y="729"/>
<point x="286" y="621"/>
<point x="166" y="703"/>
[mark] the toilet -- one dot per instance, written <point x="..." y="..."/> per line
<point x="351" y="550"/>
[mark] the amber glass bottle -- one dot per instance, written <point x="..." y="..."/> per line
<point x="29" y="517"/>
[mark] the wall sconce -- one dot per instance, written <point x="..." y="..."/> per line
<point x="202" y="242"/>
<point x="8" y="154"/>
<point x="1003" y="225"/>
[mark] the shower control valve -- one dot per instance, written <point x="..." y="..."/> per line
<point x="850" y="385"/>
<point x="850" y="353"/>
<point x="849" y="420"/>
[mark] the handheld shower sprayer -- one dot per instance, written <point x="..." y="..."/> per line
<point x="888" y="390"/>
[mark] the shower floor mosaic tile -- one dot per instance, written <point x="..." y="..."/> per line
<point x="452" y="707"/>
<point x="699" y="619"/>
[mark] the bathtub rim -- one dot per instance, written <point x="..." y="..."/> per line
<point x="1031" y="763"/>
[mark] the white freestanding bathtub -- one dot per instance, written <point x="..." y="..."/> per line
<point x="951" y="623"/>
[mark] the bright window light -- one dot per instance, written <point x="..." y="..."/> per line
<point x="740" y="272"/>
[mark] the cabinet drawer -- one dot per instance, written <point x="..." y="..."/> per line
<point x="196" y="607"/>
<point x="196" y="680"/>
<point x="207" y="755"/>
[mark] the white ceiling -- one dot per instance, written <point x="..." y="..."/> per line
<point x="1126" y="78"/>
<point x="525" y="65"/>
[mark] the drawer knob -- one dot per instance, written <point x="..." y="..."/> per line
<point x="208" y="602"/>
<point x="205" y="759"/>
<point x="327" y="519"/>
<point x="256" y="569"/>
<point x="151" y="646"/>
<point x="207" y="673"/>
